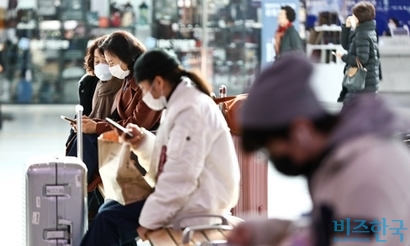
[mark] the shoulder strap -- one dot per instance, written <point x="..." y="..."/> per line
<point x="223" y="99"/>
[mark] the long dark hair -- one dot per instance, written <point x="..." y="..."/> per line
<point x="158" y="62"/>
<point x="123" y="45"/>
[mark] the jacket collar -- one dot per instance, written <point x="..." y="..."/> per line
<point x="368" y="25"/>
<point x="130" y="82"/>
<point x="179" y="91"/>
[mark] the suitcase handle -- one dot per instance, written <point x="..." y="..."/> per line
<point x="66" y="234"/>
<point x="69" y="225"/>
<point x="187" y="233"/>
<point x="79" y="111"/>
<point x="177" y="222"/>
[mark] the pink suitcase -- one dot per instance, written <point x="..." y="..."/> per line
<point x="253" y="196"/>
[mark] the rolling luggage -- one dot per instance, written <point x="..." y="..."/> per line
<point x="56" y="198"/>
<point x="253" y="195"/>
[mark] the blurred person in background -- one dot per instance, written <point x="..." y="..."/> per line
<point x="357" y="170"/>
<point x="359" y="38"/>
<point x="287" y="38"/>
<point x="392" y="25"/>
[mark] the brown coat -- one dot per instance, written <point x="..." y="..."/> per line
<point x="131" y="108"/>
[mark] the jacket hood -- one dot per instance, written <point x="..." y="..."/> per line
<point x="366" y="115"/>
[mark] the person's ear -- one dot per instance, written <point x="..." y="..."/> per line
<point x="160" y="83"/>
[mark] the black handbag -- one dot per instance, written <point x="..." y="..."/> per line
<point x="355" y="77"/>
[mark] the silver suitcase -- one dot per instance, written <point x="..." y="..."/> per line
<point x="56" y="198"/>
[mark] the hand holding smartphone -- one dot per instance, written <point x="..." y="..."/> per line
<point x="72" y="121"/>
<point x="119" y="127"/>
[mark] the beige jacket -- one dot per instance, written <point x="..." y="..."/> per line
<point x="365" y="178"/>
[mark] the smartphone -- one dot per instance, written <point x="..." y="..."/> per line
<point x="119" y="127"/>
<point x="68" y="119"/>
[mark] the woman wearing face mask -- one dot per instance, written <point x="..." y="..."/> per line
<point x="359" y="38"/>
<point x="192" y="157"/>
<point x="100" y="96"/>
<point x="98" y="88"/>
<point x="120" y="49"/>
<point x="392" y="25"/>
<point x="107" y="86"/>
<point x="286" y="39"/>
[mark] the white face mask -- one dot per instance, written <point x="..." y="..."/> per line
<point x="102" y="71"/>
<point x="392" y="26"/>
<point x="156" y="104"/>
<point x="117" y="71"/>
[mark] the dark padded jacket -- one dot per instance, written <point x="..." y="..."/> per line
<point x="86" y="88"/>
<point x="290" y="43"/>
<point x="362" y="44"/>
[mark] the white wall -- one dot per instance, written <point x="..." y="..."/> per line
<point x="288" y="197"/>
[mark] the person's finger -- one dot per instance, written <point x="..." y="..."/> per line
<point x="143" y="237"/>
<point x="142" y="233"/>
<point x="136" y="132"/>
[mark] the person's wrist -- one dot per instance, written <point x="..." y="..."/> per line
<point x="141" y="139"/>
<point x="94" y="126"/>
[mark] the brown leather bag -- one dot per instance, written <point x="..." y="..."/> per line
<point x="230" y="107"/>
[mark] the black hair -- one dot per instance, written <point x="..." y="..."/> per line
<point x="290" y="13"/>
<point x="254" y="139"/>
<point x="396" y="21"/>
<point x="158" y="62"/>
<point x="123" y="45"/>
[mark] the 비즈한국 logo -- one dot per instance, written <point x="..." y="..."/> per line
<point x="363" y="227"/>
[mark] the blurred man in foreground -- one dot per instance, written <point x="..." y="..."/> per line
<point x="358" y="173"/>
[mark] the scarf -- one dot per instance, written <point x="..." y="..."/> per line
<point x="104" y="96"/>
<point x="278" y="36"/>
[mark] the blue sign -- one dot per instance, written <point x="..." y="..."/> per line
<point x="380" y="229"/>
<point x="385" y="9"/>
<point x="270" y="11"/>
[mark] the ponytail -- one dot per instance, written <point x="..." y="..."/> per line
<point x="201" y="84"/>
